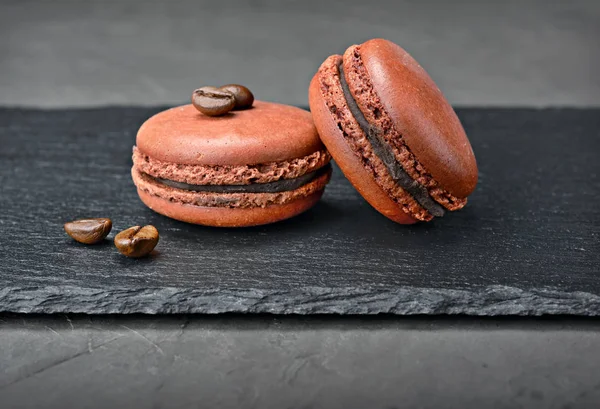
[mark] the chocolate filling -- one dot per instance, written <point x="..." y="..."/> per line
<point x="283" y="185"/>
<point x="383" y="151"/>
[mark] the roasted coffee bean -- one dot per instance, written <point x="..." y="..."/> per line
<point x="89" y="231"/>
<point x="213" y="102"/>
<point x="137" y="241"/>
<point x="243" y="96"/>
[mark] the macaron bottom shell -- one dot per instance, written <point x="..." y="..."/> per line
<point x="229" y="217"/>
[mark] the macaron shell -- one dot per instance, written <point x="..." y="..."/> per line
<point x="422" y="115"/>
<point x="227" y="217"/>
<point x="348" y="162"/>
<point x="267" y="132"/>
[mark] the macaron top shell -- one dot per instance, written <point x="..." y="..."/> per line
<point x="268" y="132"/>
<point x="421" y="113"/>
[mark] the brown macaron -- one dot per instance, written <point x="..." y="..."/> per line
<point x="392" y="132"/>
<point x="244" y="168"/>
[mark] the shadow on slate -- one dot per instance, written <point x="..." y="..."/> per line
<point x="526" y="244"/>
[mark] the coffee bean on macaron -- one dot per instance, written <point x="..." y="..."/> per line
<point x="243" y="97"/>
<point x="213" y="102"/>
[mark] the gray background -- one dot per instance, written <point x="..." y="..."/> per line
<point x="71" y="53"/>
<point x="57" y="53"/>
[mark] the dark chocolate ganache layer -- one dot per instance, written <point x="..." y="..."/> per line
<point x="283" y="185"/>
<point x="384" y="152"/>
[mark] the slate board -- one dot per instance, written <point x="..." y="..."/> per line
<point x="526" y="244"/>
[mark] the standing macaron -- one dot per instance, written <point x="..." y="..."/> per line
<point x="244" y="168"/>
<point x="392" y="132"/>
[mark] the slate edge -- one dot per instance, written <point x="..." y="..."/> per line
<point x="483" y="301"/>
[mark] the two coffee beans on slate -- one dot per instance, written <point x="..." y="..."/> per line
<point x="213" y="101"/>
<point x="135" y="242"/>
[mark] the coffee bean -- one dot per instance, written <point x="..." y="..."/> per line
<point x="89" y="231"/>
<point x="213" y="102"/>
<point x="137" y="241"/>
<point x="243" y="96"/>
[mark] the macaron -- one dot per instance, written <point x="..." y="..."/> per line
<point x="392" y="132"/>
<point x="245" y="168"/>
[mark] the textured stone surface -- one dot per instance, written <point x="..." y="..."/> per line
<point x="493" y="300"/>
<point x="526" y="243"/>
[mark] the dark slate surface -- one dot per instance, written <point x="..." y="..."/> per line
<point x="526" y="244"/>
